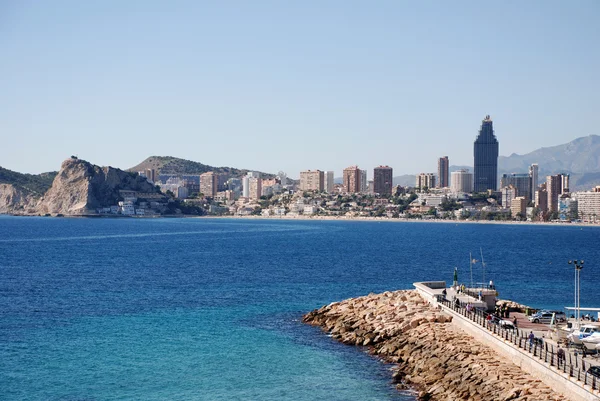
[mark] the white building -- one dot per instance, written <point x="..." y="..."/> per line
<point x="246" y="187"/>
<point x="588" y="205"/>
<point x="282" y="178"/>
<point x="461" y="181"/>
<point x="508" y="194"/>
<point x="309" y="209"/>
<point x="434" y="199"/>
<point x="127" y="208"/>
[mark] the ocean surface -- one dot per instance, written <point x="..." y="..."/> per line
<point x="210" y="309"/>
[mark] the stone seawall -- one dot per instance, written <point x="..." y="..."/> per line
<point x="431" y="355"/>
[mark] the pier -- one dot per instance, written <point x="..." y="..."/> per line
<point x="566" y="375"/>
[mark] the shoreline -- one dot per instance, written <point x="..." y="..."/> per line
<point x="322" y="218"/>
<point x="392" y="220"/>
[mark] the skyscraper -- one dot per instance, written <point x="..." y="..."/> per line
<point x="554" y="187"/>
<point x="208" y="184"/>
<point x="533" y="174"/>
<point x="363" y="181"/>
<point x="443" y="165"/>
<point x="246" y="183"/>
<point x="329" y="181"/>
<point x="425" y="180"/>
<point x="382" y="180"/>
<point x="485" y="152"/>
<point x="312" y="180"/>
<point x="351" y="179"/>
<point x="255" y="188"/>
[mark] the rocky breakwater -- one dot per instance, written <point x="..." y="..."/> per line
<point x="430" y="354"/>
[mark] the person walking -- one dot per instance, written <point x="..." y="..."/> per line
<point x="561" y="356"/>
<point x="531" y="337"/>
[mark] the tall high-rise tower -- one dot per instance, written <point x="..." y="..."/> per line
<point x="351" y="180"/>
<point x="533" y="174"/>
<point x="382" y="180"/>
<point x="443" y="165"/>
<point x="485" y="152"/>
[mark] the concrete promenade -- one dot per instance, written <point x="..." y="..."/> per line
<point x="568" y="377"/>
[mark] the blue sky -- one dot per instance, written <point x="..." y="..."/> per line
<point x="276" y="85"/>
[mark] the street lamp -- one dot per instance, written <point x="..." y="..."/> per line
<point x="578" y="266"/>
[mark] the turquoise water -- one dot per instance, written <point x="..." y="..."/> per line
<point x="206" y="309"/>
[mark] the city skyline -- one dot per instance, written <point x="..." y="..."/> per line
<point x="251" y="86"/>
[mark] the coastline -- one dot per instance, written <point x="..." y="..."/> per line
<point x="392" y="220"/>
<point x="320" y="218"/>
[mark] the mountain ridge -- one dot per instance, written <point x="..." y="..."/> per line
<point x="580" y="158"/>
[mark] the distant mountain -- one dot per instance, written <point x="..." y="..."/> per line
<point x="580" y="158"/>
<point x="406" y="180"/>
<point x="33" y="184"/>
<point x="173" y="165"/>
<point x="581" y="155"/>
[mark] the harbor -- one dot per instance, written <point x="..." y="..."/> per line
<point x="449" y="343"/>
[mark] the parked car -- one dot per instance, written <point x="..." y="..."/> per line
<point x="506" y="324"/>
<point x="546" y="317"/>
<point x="594" y="371"/>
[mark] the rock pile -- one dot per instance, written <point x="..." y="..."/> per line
<point x="513" y="306"/>
<point x="436" y="358"/>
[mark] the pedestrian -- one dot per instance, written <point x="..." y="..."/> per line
<point x="561" y="356"/>
<point x="515" y="322"/>
<point x="531" y="337"/>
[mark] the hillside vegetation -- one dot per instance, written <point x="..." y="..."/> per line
<point x="34" y="184"/>
<point x="175" y="166"/>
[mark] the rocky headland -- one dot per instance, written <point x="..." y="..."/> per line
<point x="78" y="189"/>
<point x="430" y="354"/>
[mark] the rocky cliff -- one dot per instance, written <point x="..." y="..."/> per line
<point x="441" y="361"/>
<point x="14" y="200"/>
<point x="80" y="187"/>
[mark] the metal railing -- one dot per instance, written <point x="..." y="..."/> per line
<point x="574" y="366"/>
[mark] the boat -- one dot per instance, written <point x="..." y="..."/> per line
<point x="592" y="341"/>
<point x="584" y="331"/>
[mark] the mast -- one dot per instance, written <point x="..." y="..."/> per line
<point x="482" y="266"/>
<point x="471" y="267"/>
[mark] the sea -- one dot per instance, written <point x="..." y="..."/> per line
<point x="211" y="309"/>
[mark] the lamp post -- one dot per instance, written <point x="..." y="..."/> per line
<point x="578" y="266"/>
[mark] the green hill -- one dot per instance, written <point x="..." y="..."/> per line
<point x="174" y="165"/>
<point x="35" y="184"/>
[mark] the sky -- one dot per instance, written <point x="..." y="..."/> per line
<point x="291" y="86"/>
